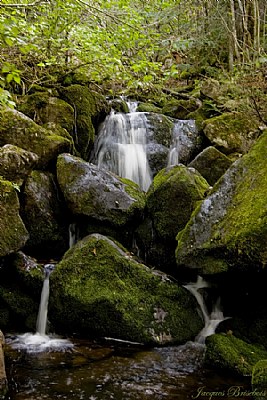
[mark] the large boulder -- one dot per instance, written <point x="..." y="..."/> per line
<point x="211" y="164"/>
<point x="232" y="132"/>
<point x="19" y="130"/>
<point x="13" y="234"/>
<point x="44" y="216"/>
<point x="171" y="199"/>
<point x="228" y="230"/>
<point x="93" y="192"/>
<point x="90" y="109"/>
<point x="99" y="290"/>
<point x="226" y="352"/>
<point x="16" y="163"/>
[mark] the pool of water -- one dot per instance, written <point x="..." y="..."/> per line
<point x="118" y="371"/>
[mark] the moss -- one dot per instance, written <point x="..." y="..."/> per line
<point x="232" y="132"/>
<point x="227" y="352"/>
<point x="231" y="224"/>
<point x="13" y="234"/>
<point x="99" y="290"/>
<point x="259" y="376"/>
<point x="119" y="106"/>
<point x="179" y="109"/>
<point x="21" y="131"/>
<point x="148" y="107"/>
<point x="90" y="109"/>
<point x="172" y="197"/>
<point x="162" y="128"/>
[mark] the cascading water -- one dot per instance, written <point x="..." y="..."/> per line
<point x="121" y="147"/>
<point x="73" y="234"/>
<point x="183" y="138"/>
<point x="212" y="320"/>
<point x="40" y="341"/>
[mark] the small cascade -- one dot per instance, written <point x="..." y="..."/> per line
<point x="183" y="131"/>
<point x="121" y="146"/>
<point x="212" y="320"/>
<point x="73" y="234"/>
<point x="40" y="341"/>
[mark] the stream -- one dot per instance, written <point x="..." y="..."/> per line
<point x="110" y="370"/>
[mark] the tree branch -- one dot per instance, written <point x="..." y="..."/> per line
<point x="37" y="2"/>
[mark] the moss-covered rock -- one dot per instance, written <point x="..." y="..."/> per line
<point x="259" y="379"/>
<point x="229" y="228"/>
<point x="90" y="109"/>
<point x="44" y="217"/>
<point x="171" y="199"/>
<point x="16" y="163"/>
<point x="148" y="107"/>
<point x="42" y="108"/>
<point x="98" y="290"/>
<point x="19" y="130"/>
<point x="210" y="88"/>
<point x="226" y="352"/>
<point x="98" y="194"/>
<point x="180" y="109"/>
<point x="232" y="132"/>
<point x="211" y="164"/>
<point x="13" y="234"/>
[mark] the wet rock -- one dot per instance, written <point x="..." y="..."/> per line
<point x="44" y="217"/>
<point x="99" y="290"/>
<point x="228" y="229"/>
<point x="3" y="378"/>
<point x="19" y="130"/>
<point x="13" y="234"/>
<point x="16" y="163"/>
<point x="98" y="194"/>
<point x="211" y="164"/>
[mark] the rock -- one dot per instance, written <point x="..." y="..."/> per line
<point x="232" y="132"/>
<point x="13" y="234"/>
<point x="211" y="164"/>
<point x="180" y="109"/>
<point x="226" y="352"/>
<point x="259" y="379"/>
<point x="171" y="199"/>
<point x="148" y="107"/>
<point x="16" y="163"/>
<point x="44" y="216"/>
<point x="98" y="194"/>
<point x="19" y="130"/>
<point x="99" y="290"/>
<point x="43" y="109"/>
<point x="3" y="378"/>
<point x="227" y="231"/>
<point x="210" y="88"/>
<point x="90" y="109"/>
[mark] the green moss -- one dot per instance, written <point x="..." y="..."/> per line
<point x="259" y="376"/>
<point x="162" y="128"/>
<point x="148" y="107"/>
<point x="179" y="108"/>
<point x="99" y="289"/>
<point x="230" y="353"/>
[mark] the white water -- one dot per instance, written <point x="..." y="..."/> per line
<point x="121" y="147"/>
<point x="183" y="131"/>
<point x="212" y="320"/>
<point x="40" y="342"/>
<point x="73" y="234"/>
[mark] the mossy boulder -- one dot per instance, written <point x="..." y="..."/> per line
<point x="210" y="88"/>
<point x="13" y="234"/>
<point x="90" y="109"/>
<point x="99" y="290"/>
<point x="98" y="194"/>
<point x="43" y="213"/>
<point x="226" y="352"/>
<point x="228" y="230"/>
<point x="19" y="130"/>
<point x="211" y="164"/>
<point x="148" y="107"/>
<point x="232" y="132"/>
<point x="43" y="108"/>
<point x="259" y="379"/>
<point x="16" y="163"/>
<point x="180" y="109"/>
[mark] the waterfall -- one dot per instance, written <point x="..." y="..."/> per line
<point x="43" y="307"/>
<point x="73" y="234"/>
<point x="212" y="320"/>
<point x="121" y="147"/>
<point x="183" y="138"/>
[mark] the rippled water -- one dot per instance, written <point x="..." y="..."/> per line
<point x="110" y="371"/>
